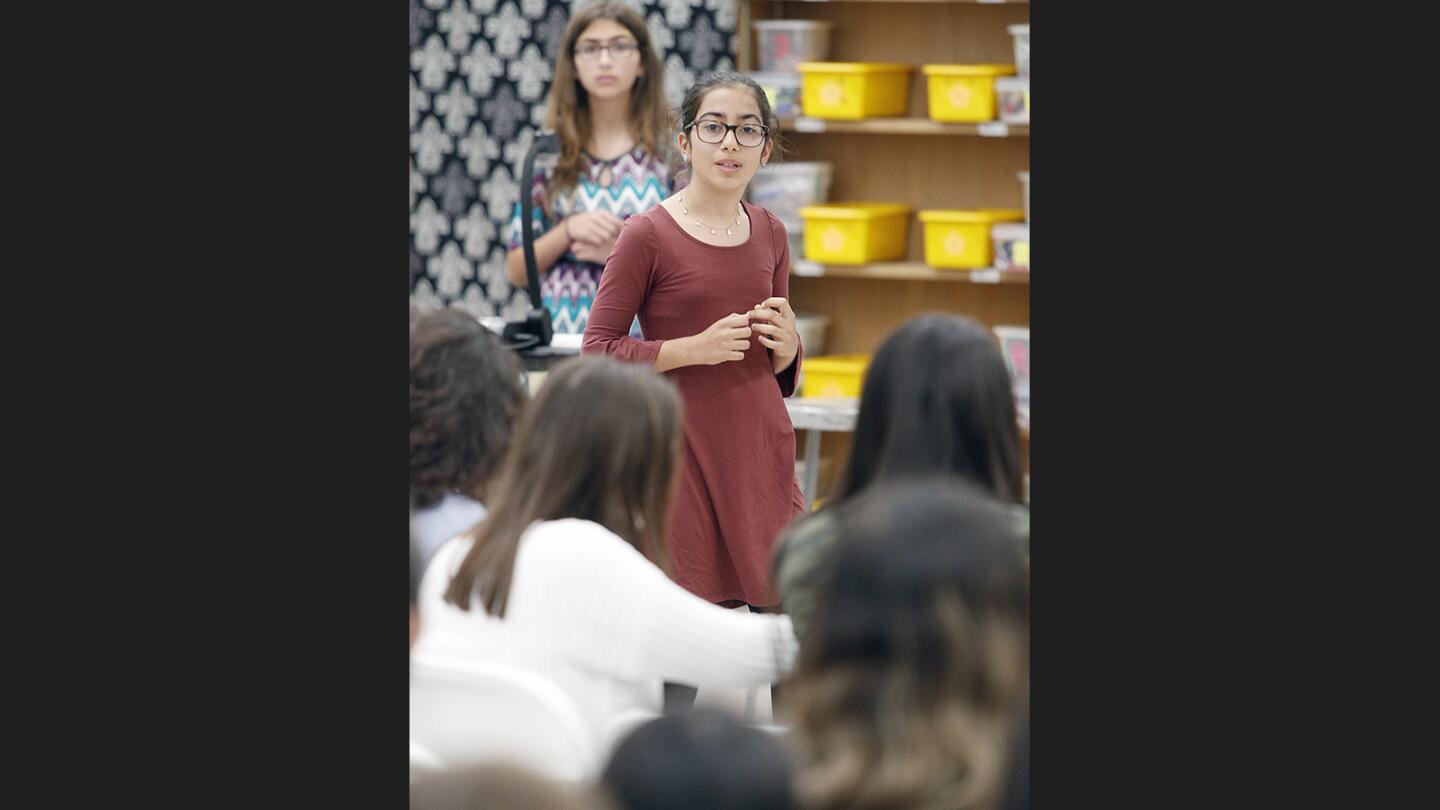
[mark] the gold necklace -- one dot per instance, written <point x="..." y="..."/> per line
<point x="698" y="223"/>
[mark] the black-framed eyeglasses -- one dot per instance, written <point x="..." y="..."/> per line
<point x="749" y="135"/>
<point x="618" y="50"/>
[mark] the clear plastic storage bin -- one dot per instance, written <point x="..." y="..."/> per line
<point x="795" y="234"/>
<point x="1021" y="35"/>
<point x="783" y="90"/>
<point x="780" y="45"/>
<point x="812" y="333"/>
<point x="1012" y="96"/>
<point x="786" y="187"/>
<point x="1012" y="246"/>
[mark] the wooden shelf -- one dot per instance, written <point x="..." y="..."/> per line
<point x="891" y="159"/>
<point x="838" y="414"/>
<point x="905" y="126"/>
<point x="911" y="271"/>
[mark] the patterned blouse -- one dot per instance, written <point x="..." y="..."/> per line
<point x="637" y="182"/>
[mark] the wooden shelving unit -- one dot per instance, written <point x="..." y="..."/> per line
<point x="905" y="271"/>
<point x="904" y="126"/>
<point x="911" y="160"/>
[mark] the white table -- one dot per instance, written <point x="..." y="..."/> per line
<point x="817" y="415"/>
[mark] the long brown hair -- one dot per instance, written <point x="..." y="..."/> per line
<point x="917" y="666"/>
<point x="600" y="442"/>
<point x="568" y="112"/>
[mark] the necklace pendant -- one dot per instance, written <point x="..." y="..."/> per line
<point x="712" y="231"/>
<point x="727" y="232"/>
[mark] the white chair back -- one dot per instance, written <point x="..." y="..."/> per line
<point x="422" y="760"/>
<point x="466" y="713"/>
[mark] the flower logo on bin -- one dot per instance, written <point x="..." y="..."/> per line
<point x="833" y="240"/>
<point x="954" y="243"/>
<point x="832" y="93"/>
<point x="960" y="94"/>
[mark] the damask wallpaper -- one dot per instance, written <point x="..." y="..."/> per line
<point x="479" y="74"/>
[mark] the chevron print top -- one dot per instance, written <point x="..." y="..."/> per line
<point x="638" y="182"/>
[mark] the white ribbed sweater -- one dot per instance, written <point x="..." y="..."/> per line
<point x="605" y="624"/>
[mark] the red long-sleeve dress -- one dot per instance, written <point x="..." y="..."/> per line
<point x="737" y="477"/>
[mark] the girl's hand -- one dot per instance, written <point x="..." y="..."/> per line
<point x="724" y="341"/>
<point x="774" y="324"/>
<point x="595" y="229"/>
<point x="587" y="252"/>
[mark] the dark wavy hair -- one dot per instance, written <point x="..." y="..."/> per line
<point x="465" y="397"/>
<point x="910" y="681"/>
<point x="937" y="400"/>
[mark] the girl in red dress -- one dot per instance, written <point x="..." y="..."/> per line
<point x="708" y="276"/>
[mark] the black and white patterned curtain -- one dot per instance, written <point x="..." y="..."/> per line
<point x="479" y="74"/>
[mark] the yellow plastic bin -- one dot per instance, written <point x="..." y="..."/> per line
<point x="836" y="375"/>
<point x="961" y="239"/>
<point x="852" y="90"/>
<point x="855" y="233"/>
<point x="964" y="93"/>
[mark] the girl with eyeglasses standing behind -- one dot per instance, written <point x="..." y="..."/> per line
<point x="708" y="276"/>
<point x="608" y="113"/>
